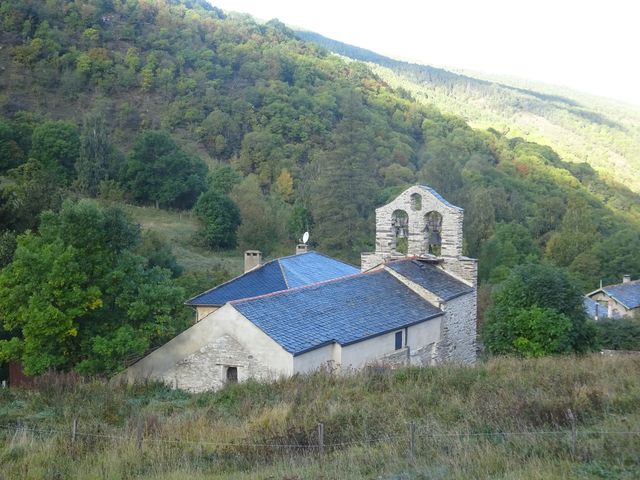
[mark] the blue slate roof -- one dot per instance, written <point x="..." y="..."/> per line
<point x="628" y="294"/>
<point x="430" y="277"/>
<point x="438" y="196"/>
<point x="312" y="267"/>
<point x="345" y="311"/>
<point x="276" y="275"/>
<point x="590" y="308"/>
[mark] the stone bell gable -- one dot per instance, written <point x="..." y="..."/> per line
<point x="430" y="221"/>
<point x="421" y="223"/>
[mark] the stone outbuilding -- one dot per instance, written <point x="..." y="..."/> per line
<point x="621" y="300"/>
<point x="412" y="302"/>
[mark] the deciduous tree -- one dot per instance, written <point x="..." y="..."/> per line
<point x="535" y="298"/>
<point x="76" y="296"/>
<point x="220" y="217"/>
<point x="158" y="171"/>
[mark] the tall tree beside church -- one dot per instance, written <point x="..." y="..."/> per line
<point x="344" y="192"/>
<point x="538" y="310"/>
<point x="77" y="296"/>
<point x="55" y="144"/>
<point x="158" y="171"/>
<point x="221" y="219"/>
<point x="260" y="227"/>
<point x="95" y="149"/>
<point x="11" y="155"/>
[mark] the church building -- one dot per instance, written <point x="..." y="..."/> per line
<point x="412" y="302"/>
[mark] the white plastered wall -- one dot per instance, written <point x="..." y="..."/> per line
<point x="418" y="343"/>
<point x="327" y="356"/>
<point x="203" y="311"/>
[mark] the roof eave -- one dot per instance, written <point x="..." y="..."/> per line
<point x="399" y="327"/>
<point x="188" y="304"/>
<point x="456" y="295"/>
<point x="621" y="302"/>
<point x="368" y="337"/>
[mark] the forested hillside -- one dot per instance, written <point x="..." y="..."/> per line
<point x="258" y="136"/>
<point x="581" y="128"/>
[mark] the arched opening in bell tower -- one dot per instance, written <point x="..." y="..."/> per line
<point x="433" y="233"/>
<point x="400" y="228"/>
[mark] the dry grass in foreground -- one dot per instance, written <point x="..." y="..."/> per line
<point x="505" y="418"/>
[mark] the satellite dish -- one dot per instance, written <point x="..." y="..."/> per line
<point x="305" y="237"/>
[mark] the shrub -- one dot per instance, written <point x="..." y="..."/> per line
<point x="221" y="219"/>
<point x="619" y="334"/>
<point x="537" y="310"/>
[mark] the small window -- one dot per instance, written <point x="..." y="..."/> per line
<point x="232" y="374"/>
<point x="416" y="202"/>
<point x="398" y="340"/>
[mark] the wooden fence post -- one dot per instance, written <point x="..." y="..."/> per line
<point x="74" y="430"/>
<point x="139" y="432"/>
<point x="321" y="438"/>
<point x="574" y="433"/>
<point x="412" y="440"/>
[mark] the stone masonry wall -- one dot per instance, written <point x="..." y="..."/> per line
<point x="458" y="342"/>
<point x="463" y="268"/>
<point x="197" y="359"/>
<point x="206" y="368"/>
<point x="452" y="218"/>
<point x="420" y="357"/>
<point x="369" y="260"/>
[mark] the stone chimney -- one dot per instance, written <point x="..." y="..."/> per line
<point x="626" y="278"/>
<point x="252" y="259"/>
<point x="301" y="248"/>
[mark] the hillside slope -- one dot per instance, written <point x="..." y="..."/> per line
<point x="580" y="127"/>
<point x="316" y="142"/>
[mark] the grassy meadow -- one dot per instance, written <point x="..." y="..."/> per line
<point x="179" y="229"/>
<point x="501" y="419"/>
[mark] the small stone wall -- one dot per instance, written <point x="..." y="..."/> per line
<point x="206" y="369"/>
<point x="369" y="260"/>
<point x="463" y="268"/>
<point x="420" y="357"/>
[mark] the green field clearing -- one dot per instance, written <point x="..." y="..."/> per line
<point x="179" y="230"/>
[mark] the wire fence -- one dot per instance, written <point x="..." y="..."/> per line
<point x="19" y="432"/>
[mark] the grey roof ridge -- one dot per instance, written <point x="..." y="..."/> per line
<point x="284" y="275"/>
<point x="231" y="280"/>
<point x="190" y="300"/>
<point x="317" y="253"/>
<point x="302" y="287"/>
<point x="594" y="292"/>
